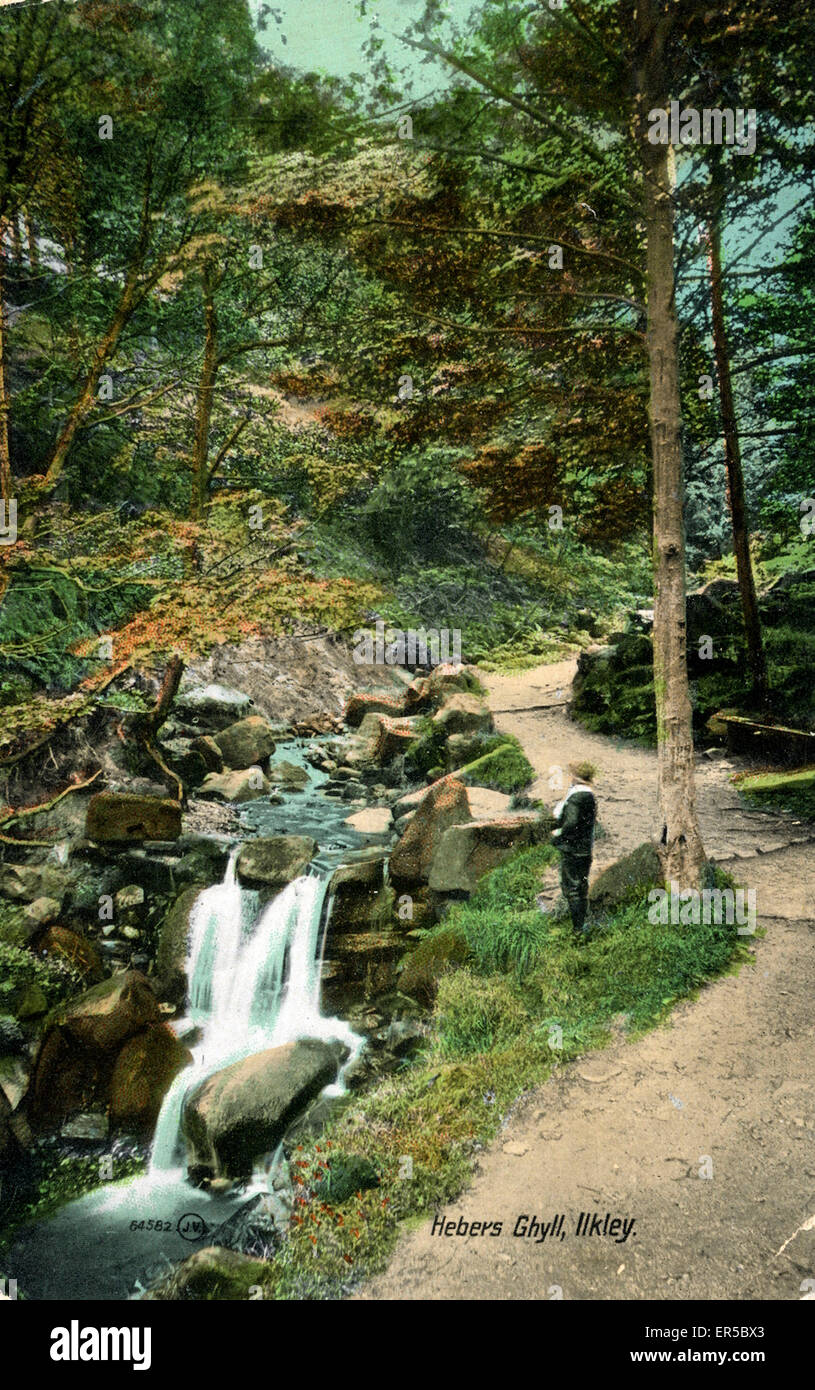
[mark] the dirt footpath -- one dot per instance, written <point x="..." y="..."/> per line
<point x="701" y="1132"/>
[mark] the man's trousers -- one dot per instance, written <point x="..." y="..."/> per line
<point x="574" y="883"/>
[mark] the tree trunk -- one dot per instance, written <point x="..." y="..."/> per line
<point x="87" y="396"/>
<point x="6" y="484"/>
<point x="145" y="727"/>
<point x="681" y="848"/>
<point x="735" y="476"/>
<point x="16" y="239"/>
<point x="203" y="410"/>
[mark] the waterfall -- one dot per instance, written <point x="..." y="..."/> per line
<point x="252" y="985"/>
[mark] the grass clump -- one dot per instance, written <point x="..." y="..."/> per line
<point x="781" y="791"/>
<point x="474" y="1014"/>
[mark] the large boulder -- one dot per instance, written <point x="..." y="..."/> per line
<point x="246" y="743"/>
<point x="361" y="749"/>
<point x="443" y="805"/>
<point x="203" y="859"/>
<point x="486" y="804"/>
<point x="429" y="690"/>
<point x="212" y="707"/>
<point x="362" y="874"/>
<point x="466" y="852"/>
<point x="360" y="705"/>
<point x="185" y="761"/>
<point x="237" y="786"/>
<point x="104" y="1016"/>
<point x="357" y="894"/>
<point x="288" y="776"/>
<point x="374" y="820"/>
<point x="463" y="713"/>
<point x="115" y="817"/>
<point x="28" y="882"/>
<point x="144" y="1070"/>
<point x="78" y="1051"/>
<point x="243" y="1111"/>
<point x="627" y="878"/>
<point x="435" y="956"/>
<point x="208" y="749"/>
<point x="396" y="736"/>
<point x="276" y="861"/>
<point x="171" y="952"/>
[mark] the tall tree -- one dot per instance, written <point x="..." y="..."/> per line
<point x="160" y="116"/>
<point x="589" y="83"/>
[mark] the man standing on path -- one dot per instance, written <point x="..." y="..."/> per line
<point x="575" y="816"/>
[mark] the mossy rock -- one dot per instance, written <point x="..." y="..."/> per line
<point x="15" y="927"/>
<point x="440" y="952"/>
<point x="171" y="953"/>
<point x="631" y="652"/>
<point x="505" y="769"/>
<point x="213" y="1274"/>
<point x="347" y="1175"/>
<point x="627" y="879"/>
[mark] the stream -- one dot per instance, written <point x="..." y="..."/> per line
<point x="254" y="983"/>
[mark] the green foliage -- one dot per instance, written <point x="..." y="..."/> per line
<point x="473" y="1014"/>
<point x="511" y="942"/>
<point x="422" y="508"/>
<point x="47" y="611"/>
<point x="21" y="971"/>
<point x="505" y="768"/>
<point x="428" y="750"/>
<point x="793" y="792"/>
<point x="502" y="923"/>
<point x="62" y="1177"/>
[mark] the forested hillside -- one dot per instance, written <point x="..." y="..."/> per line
<point x="345" y="363"/>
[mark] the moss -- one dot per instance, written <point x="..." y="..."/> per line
<point x="504" y="769"/>
<point x="25" y="978"/>
<point x="14" y="928"/>
<point x="345" y="1175"/>
<point x="627" y="880"/>
<point x="216" y="1274"/>
<point x="782" y="791"/>
<point x="442" y="950"/>
<point x="427" y="753"/>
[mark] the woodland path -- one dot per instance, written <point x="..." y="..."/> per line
<point x="624" y="1131"/>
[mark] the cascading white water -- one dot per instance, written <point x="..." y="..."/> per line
<point x="250" y="987"/>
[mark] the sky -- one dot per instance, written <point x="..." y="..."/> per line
<point x="328" y="35"/>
